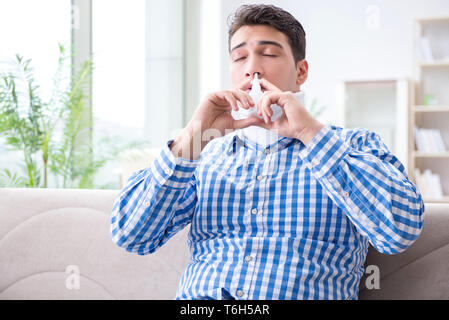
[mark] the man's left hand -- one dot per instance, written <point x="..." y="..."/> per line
<point x="295" y="122"/>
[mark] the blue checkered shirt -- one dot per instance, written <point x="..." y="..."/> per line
<point x="282" y="222"/>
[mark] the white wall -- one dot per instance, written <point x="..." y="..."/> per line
<point x="345" y="42"/>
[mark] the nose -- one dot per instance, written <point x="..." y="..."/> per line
<point x="253" y="67"/>
<point x="252" y="75"/>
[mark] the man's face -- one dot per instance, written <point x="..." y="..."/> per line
<point x="265" y="50"/>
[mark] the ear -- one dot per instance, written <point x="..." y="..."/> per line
<point x="302" y="71"/>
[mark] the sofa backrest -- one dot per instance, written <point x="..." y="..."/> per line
<point x="55" y="244"/>
<point x="49" y="237"/>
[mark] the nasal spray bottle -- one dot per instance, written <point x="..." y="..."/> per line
<point x="258" y="134"/>
<point x="256" y="94"/>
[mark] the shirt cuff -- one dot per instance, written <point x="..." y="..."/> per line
<point x="324" y="152"/>
<point x="171" y="171"/>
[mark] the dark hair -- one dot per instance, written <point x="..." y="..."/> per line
<point x="275" y="17"/>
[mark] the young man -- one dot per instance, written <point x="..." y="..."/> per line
<point x="289" y="220"/>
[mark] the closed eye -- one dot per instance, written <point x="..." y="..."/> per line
<point x="265" y="55"/>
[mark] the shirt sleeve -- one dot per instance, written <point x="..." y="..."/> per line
<point x="369" y="184"/>
<point x="155" y="204"/>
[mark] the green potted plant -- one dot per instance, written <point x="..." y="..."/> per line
<point x="54" y="136"/>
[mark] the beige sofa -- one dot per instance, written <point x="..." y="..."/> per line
<point x="55" y="244"/>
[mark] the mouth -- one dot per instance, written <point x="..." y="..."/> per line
<point x="248" y="90"/>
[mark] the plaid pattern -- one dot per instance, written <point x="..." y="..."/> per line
<point x="285" y="222"/>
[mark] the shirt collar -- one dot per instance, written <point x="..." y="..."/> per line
<point x="239" y="140"/>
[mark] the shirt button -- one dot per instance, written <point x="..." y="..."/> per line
<point x="260" y="178"/>
<point x="179" y="175"/>
<point x="167" y="172"/>
<point x="248" y="258"/>
<point x="147" y="204"/>
<point x="267" y="151"/>
<point x="239" y="293"/>
<point x="345" y="194"/>
<point x="254" y="211"/>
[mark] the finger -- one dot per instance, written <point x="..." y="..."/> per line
<point x="267" y="100"/>
<point x="260" y="106"/>
<point x="269" y="86"/>
<point x="264" y="114"/>
<point x="240" y="101"/>
<point x="245" y="84"/>
<point x="250" y="121"/>
<point x="267" y="116"/>
<point x="229" y="97"/>
<point x="268" y="110"/>
<point x="262" y="124"/>
<point x="222" y="99"/>
<point x="262" y="109"/>
<point x="267" y="113"/>
<point x="245" y="98"/>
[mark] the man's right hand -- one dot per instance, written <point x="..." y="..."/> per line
<point x="213" y="119"/>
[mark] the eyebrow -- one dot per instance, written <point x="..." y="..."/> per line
<point x="260" y="43"/>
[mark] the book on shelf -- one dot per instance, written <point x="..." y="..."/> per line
<point x="429" y="140"/>
<point x="429" y="184"/>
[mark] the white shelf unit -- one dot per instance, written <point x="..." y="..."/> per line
<point x="431" y="80"/>
<point x="380" y="105"/>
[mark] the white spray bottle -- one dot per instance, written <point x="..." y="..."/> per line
<point x="256" y="94"/>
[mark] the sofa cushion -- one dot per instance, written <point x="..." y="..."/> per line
<point x="420" y="271"/>
<point x="43" y="232"/>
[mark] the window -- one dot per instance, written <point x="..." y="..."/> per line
<point x="138" y="73"/>
<point x="118" y="96"/>
<point x="30" y="29"/>
<point x="118" y="41"/>
<point x="33" y="29"/>
<point x="138" y="59"/>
